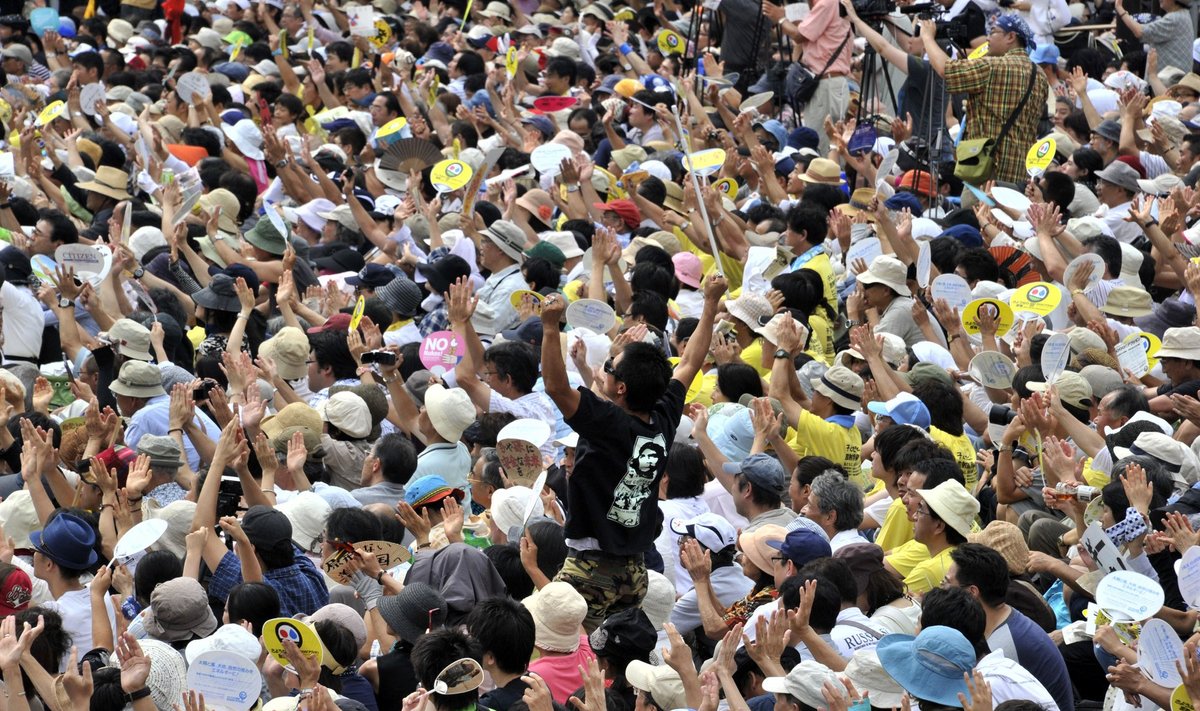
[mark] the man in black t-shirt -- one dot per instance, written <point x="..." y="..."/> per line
<point x="612" y="511"/>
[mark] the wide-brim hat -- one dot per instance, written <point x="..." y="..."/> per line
<point x="929" y="666"/>
<point x="450" y="411"/>
<point x="68" y="541"/>
<point x="110" y="182"/>
<point x="953" y="504"/>
<point x="414" y="610"/>
<point x="836" y="385"/>
<point x="888" y="271"/>
<point x="1180" y="343"/>
<point x="264" y="236"/>
<point x="219" y="295"/>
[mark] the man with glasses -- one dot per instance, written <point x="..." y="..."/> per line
<point x="942" y="520"/>
<point x="911" y="559"/>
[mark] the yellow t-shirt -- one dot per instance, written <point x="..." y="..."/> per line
<point x="1095" y="478"/>
<point x="930" y="573"/>
<point x="821" y="265"/>
<point x="820" y="343"/>
<point x="732" y="268"/>
<point x="906" y="556"/>
<point x="964" y="454"/>
<point x="896" y="529"/>
<point x="752" y="356"/>
<point x="831" y="440"/>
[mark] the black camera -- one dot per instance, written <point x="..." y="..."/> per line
<point x="873" y="9"/>
<point x="201" y="391"/>
<point x="229" y="496"/>
<point x="380" y="357"/>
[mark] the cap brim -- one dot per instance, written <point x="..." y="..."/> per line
<point x="776" y="544"/>
<point x="879" y="408"/>
<point x="775" y="685"/>
<point x="732" y="467"/>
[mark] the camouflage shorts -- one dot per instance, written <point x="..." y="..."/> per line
<point x="608" y="583"/>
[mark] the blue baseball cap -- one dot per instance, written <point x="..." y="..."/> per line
<point x="372" y="276"/>
<point x="967" y="234"/>
<point x="777" y="131"/>
<point x="1045" y="54"/>
<point x="931" y="665"/>
<point x="904" y="409"/>
<point x="901" y="200"/>
<point x="761" y="470"/>
<point x="804" y="137"/>
<point x="801" y="546"/>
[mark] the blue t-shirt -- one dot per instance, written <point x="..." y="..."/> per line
<point x="1024" y="642"/>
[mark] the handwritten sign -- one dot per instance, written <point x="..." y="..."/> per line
<point x="441" y="351"/>
<point x="389" y="555"/>
<point x="522" y="460"/>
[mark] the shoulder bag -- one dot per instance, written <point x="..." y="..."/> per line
<point x="802" y="83"/>
<point x="975" y="158"/>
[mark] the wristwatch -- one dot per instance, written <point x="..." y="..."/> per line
<point x="781" y="353"/>
<point x="137" y="695"/>
<point x="138" y="273"/>
<point x="851" y="323"/>
<point x="65" y="303"/>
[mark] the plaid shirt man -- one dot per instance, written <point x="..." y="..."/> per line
<point x="300" y="585"/>
<point x="994" y="86"/>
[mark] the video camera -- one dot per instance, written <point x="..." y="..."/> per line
<point x="955" y="31"/>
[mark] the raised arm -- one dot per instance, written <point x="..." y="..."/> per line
<point x="554" y="369"/>
<point x="460" y="308"/>
<point x="714" y="287"/>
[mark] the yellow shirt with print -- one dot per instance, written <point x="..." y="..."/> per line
<point x="929" y="574"/>
<point x="817" y="436"/>
<point x="896" y="529"/>
<point x="823" y="266"/>
<point x="820" y="343"/>
<point x="964" y="453"/>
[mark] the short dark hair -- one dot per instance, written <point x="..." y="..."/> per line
<point x="470" y="63"/>
<point x="646" y="373"/>
<point x="813" y="466"/>
<point x="563" y="67"/>
<point x="957" y="609"/>
<point x="436" y="650"/>
<point x="351" y="525"/>
<point x="983" y="568"/>
<point x="397" y="458"/>
<point x="505" y="628"/>
<point x="253" y="602"/>
<point x="516" y="360"/>
<point x="358" y="77"/>
<point x="945" y="405"/>
<point x="506" y="559"/>
<point x="810" y="222"/>
<point x="62" y="230"/>
<point x="918" y="453"/>
<point x="685" y="472"/>
<point x="1109" y="250"/>
<point x="201" y="138"/>
<point x="889" y="443"/>
<point x="938" y="471"/>
<point x="155" y="568"/>
<point x="737" y="379"/>
<point x="91" y="60"/>
<point x="330" y="351"/>
<point x="652" y="307"/>
<point x="838" y="573"/>
<point x="979" y="264"/>
<point x="827" y="601"/>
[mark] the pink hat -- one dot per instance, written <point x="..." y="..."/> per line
<point x="687" y="269"/>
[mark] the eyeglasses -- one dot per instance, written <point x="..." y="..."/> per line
<point x="777" y="559"/>
<point x="922" y="512"/>
<point x="608" y="367"/>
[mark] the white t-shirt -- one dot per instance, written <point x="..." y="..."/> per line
<point x="75" y="607"/>
<point x="23" y="322"/>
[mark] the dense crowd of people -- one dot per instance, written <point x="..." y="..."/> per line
<point x="523" y="356"/>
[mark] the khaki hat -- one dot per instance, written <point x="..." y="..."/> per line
<point x="662" y="683"/>
<point x="164" y="452"/>
<point x="674" y="199"/>
<point x="805" y="682"/>
<point x="230" y="207"/>
<point x="888" y="271"/>
<point x="953" y="504"/>
<point x="894" y="349"/>
<point x="508" y="238"/>
<point x="1129" y="302"/>
<point x="866" y="673"/>
<point x="179" y="611"/>
<point x="823" y="170"/>
<point x="450" y="411"/>
<point x="860" y="200"/>
<point x="347" y="412"/>
<point x="1180" y="343"/>
<point x="289" y="349"/>
<point x="295" y="417"/>
<point x="130" y="339"/>
<point x="1005" y="538"/>
<point x="1191" y="80"/>
<point x="110" y="182"/>
<point x="1082" y="339"/>
<point x="565" y="241"/>
<point x="558" y="612"/>
<point x="841" y="385"/>
<point x="754" y="545"/>
<point x="307" y="513"/>
<point x="138" y="379"/>
<point x="627" y="156"/>
<point x="1073" y="390"/>
<point x="172" y="126"/>
<point x="19" y="517"/>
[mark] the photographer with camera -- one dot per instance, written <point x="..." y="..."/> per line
<point x="928" y="112"/>
<point x="1004" y="91"/>
<point x="823" y="39"/>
